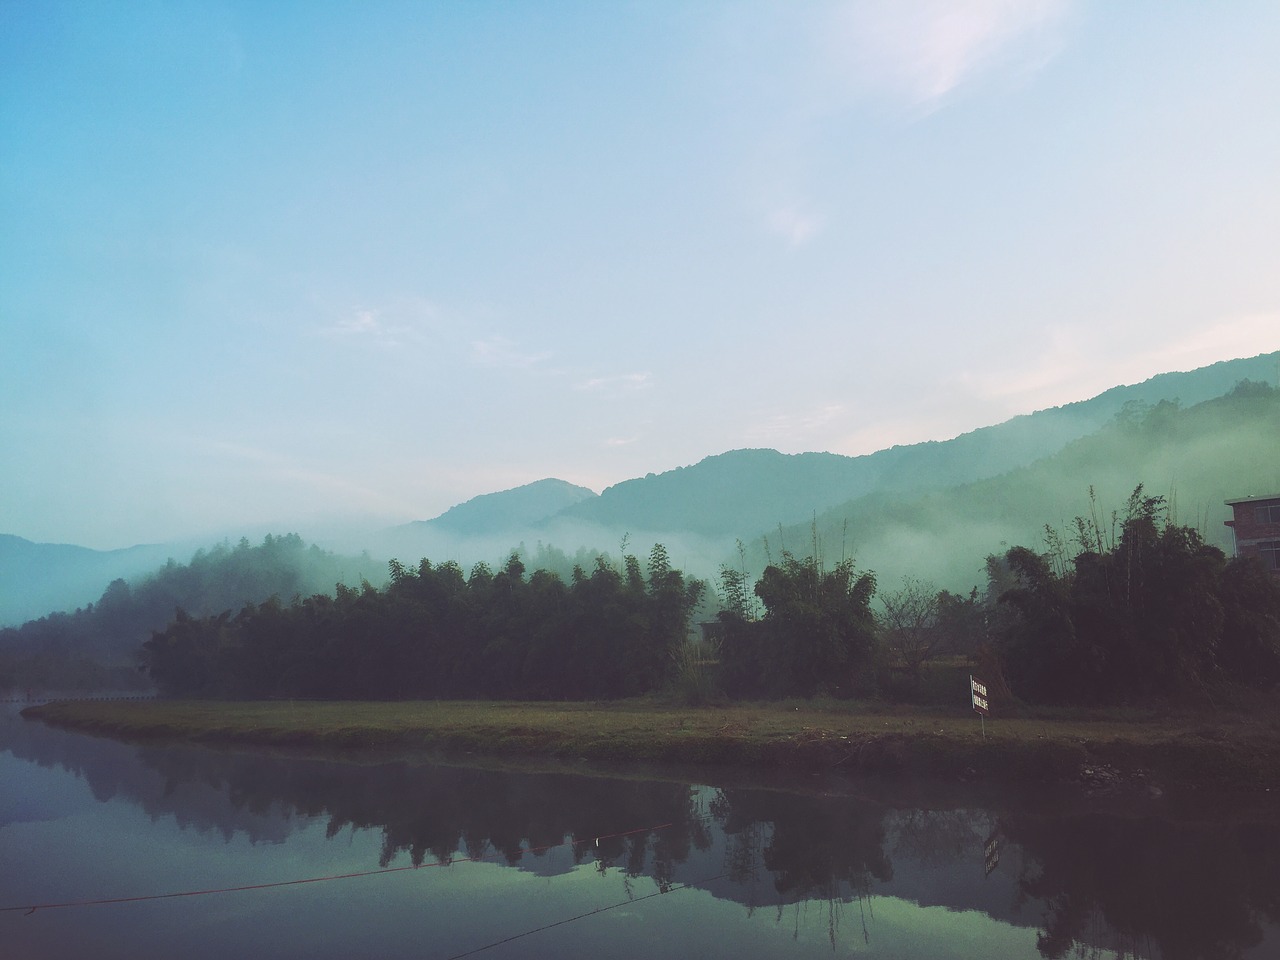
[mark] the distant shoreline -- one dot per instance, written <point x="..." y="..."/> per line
<point x="1103" y="751"/>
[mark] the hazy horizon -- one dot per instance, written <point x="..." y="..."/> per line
<point x="311" y="267"/>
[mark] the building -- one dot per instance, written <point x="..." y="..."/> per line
<point x="1256" y="525"/>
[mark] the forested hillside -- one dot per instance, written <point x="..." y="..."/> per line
<point x="1196" y="457"/>
<point x="482" y="528"/>
<point x="1138" y="609"/>
<point x="512" y="509"/>
<point x="435" y="632"/>
<point x="700" y="511"/>
<point x="96" y="646"/>
<point x="916" y="521"/>
<point x="36" y="578"/>
<point x="743" y="492"/>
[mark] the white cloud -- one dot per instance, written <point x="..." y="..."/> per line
<point x="1061" y="365"/>
<point x="783" y="426"/>
<point x="287" y="482"/>
<point x="1224" y="339"/>
<point x="1069" y="366"/>
<point x="1072" y="367"/>
<point x="396" y="324"/>
<point x="499" y="351"/>
<point x="626" y="381"/>
<point x="792" y="76"/>
<point x="882" y="433"/>
<point x="364" y="321"/>
<point x="794" y="224"/>
<point x="924" y="49"/>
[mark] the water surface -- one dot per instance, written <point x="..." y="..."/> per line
<point x="394" y="856"/>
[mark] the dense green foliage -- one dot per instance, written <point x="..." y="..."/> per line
<point x="435" y="633"/>
<point x="817" y="634"/>
<point x="1138" y="609"/>
<point x="1144" y="608"/>
<point x="1195" y="456"/>
<point x="96" y="646"/>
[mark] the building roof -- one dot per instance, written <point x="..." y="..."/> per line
<point x="1258" y="498"/>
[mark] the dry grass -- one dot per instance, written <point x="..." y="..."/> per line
<point x="1236" y="749"/>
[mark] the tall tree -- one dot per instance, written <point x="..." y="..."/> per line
<point x="1153" y="612"/>
<point x="817" y="635"/>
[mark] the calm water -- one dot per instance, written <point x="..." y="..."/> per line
<point x="411" y="859"/>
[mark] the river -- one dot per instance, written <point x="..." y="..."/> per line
<point x="148" y="851"/>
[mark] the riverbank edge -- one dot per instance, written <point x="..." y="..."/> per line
<point x="1226" y="753"/>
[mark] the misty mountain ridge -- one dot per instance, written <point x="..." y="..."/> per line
<point x="519" y="507"/>
<point x="743" y="492"/>
<point x="36" y="578"/>
<point x="1195" y="457"/>
<point x="480" y="528"/>
<point x="698" y="511"/>
<point x="96" y="645"/>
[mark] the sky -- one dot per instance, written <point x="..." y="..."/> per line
<point x="296" y="264"/>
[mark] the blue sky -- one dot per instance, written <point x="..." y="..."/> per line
<point x="292" y="263"/>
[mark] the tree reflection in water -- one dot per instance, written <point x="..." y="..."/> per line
<point x="1136" y="886"/>
<point x="1150" y="887"/>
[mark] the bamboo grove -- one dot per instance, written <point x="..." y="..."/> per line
<point x="1137" y="609"/>
<point x="433" y="632"/>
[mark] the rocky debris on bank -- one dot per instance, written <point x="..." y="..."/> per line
<point x="1103" y="779"/>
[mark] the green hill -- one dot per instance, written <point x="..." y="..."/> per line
<point x="1197" y="457"/>
<point x="96" y="645"/>
<point x="742" y="492"/>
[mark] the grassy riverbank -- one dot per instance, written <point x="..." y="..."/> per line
<point x="1236" y="749"/>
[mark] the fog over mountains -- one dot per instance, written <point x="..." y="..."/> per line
<point x="931" y="509"/>
<point x="700" y="511"/>
<point x="37" y="578"/>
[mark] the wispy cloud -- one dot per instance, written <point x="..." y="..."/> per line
<point x="620" y="441"/>
<point x="1070" y="367"/>
<point x="794" y="224"/>
<point x="394" y="325"/>
<point x="364" y="321"/>
<point x="1224" y="339"/>
<point x="296" y="480"/>
<point x="880" y="433"/>
<point x="625" y="381"/>
<point x="1063" y="359"/>
<point x="499" y="351"/>
<point x="924" y="49"/>
<point x="798" y="76"/>
<point x="782" y="426"/>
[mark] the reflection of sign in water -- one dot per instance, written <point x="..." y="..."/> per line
<point x="978" y="692"/>
<point x="991" y="853"/>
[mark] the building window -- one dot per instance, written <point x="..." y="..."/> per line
<point x="1267" y="513"/>
<point x="1269" y="551"/>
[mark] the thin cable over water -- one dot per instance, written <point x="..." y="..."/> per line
<point x="583" y="916"/>
<point x="31" y="908"/>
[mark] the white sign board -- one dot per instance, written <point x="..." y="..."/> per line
<point x="978" y="693"/>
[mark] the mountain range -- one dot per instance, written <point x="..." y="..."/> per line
<point x="700" y="511"/>
<point x="37" y="578"/>
<point x="933" y="509"/>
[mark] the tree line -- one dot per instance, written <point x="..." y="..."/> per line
<point x="435" y="632"/>
<point x="96" y="646"/>
<point x="1134" y="608"/>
